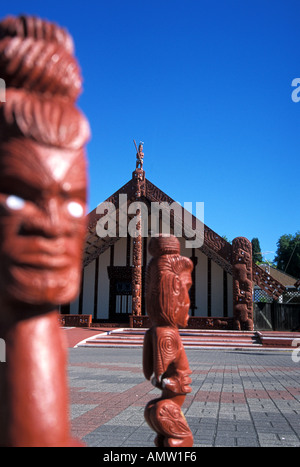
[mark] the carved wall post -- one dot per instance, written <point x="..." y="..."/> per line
<point x="42" y="226"/>
<point x="242" y="283"/>
<point x="168" y="280"/>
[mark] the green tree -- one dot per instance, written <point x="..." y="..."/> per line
<point x="226" y="238"/>
<point x="288" y="254"/>
<point x="256" y="251"/>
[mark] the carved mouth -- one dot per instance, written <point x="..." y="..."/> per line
<point x="43" y="261"/>
<point x="37" y="284"/>
<point x="41" y="253"/>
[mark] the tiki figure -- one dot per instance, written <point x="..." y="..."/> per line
<point x="242" y="284"/>
<point x="168" y="280"/>
<point x="140" y="156"/>
<point x="42" y="225"/>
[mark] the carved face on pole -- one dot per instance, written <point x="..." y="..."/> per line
<point x="183" y="306"/>
<point x="42" y="164"/>
<point x="167" y="283"/>
<point x="42" y="221"/>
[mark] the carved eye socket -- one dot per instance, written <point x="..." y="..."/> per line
<point x="75" y="209"/>
<point x="15" y="203"/>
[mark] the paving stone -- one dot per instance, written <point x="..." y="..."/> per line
<point x="238" y="398"/>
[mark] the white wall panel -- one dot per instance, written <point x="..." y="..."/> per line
<point x="201" y="285"/>
<point x="103" y="286"/>
<point x="217" y="307"/>
<point x="88" y="289"/>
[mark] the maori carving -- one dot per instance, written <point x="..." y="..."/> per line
<point x="271" y="286"/>
<point x="196" y="322"/>
<point x="137" y="276"/>
<point x="168" y="280"/>
<point x="140" y="157"/>
<point x="154" y="194"/>
<point x="138" y="178"/>
<point x="42" y="226"/>
<point x="217" y="244"/>
<point x="242" y="284"/>
<point x="139" y="183"/>
<point x="93" y="217"/>
<point x="215" y="247"/>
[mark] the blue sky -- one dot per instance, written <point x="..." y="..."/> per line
<point x="207" y="86"/>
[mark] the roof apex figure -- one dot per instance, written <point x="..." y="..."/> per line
<point x="139" y="155"/>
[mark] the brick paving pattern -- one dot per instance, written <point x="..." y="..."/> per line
<point x="239" y="398"/>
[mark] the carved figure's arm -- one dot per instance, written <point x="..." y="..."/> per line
<point x="178" y="383"/>
<point x="171" y="369"/>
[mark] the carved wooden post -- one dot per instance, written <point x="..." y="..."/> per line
<point x="137" y="276"/>
<point x="42" y="226"/>
<point x="139" y="180"/>
<point x="168" y="280"/>
<point x="242" y="283"/>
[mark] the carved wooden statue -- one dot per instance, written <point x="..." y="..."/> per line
<point x="242" y="283"/>
<point x="140" y="157"/>
<point x="42" y="226"/>
<point x="168" y="282"/>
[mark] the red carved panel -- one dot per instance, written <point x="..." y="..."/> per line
<point x="267" y="283"/>
<point x="78" y="321"/>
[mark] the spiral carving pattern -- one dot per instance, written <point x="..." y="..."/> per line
<point x="167" y="345"/>
<point x="173" y="421"/>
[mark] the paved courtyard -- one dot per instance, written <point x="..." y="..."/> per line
<point x="239" y="398"/>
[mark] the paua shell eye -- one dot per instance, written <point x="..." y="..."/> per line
<point x="75" y="209"/>
<point x="15" y="203"/>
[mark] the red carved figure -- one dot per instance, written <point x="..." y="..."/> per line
<point x="42" y="226"/>
<point x="139" y="181"/>
<point x="242" y="283"/>
<point x="140" y="156"/>
<point x="168" y="282"/>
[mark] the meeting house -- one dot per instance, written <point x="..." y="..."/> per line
<point x="115" y="258"/>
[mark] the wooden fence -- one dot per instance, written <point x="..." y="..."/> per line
<point x="276" y="316"/>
